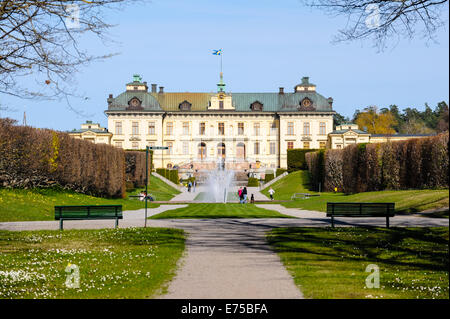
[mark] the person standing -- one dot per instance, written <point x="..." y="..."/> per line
<point x="189" y="186"/>
<point x="240" y="195"/>
<point x="271" y="192"/>
<point x="244" y="194"/>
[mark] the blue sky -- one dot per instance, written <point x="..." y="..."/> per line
<point x="267" y="44"/>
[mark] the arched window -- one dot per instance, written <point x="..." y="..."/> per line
<point x="169" y="166"/>
<point x="202" y="150"/>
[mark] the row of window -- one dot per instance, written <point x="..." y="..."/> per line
<point x="305" y="145"/>
<point x="240" y="148"/>
<point x="221" y="128"/>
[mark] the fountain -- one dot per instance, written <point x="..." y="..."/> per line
<point x="218" y="183"/>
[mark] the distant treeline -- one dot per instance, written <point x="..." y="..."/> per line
<point x="414" y="163"/>
<point x="31" y="157"/>
<point x="391" y="119"/>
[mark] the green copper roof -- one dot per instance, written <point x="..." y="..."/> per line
<point x="148" y="102"/>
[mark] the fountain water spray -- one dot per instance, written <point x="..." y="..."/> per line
<point x="218" y="183"/>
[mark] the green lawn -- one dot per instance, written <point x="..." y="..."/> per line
<point x="295" y="182"/>
<point x="331" y="263"/>
<point x="38" y="204"/>
<point x="230" y="210"/>
<point x="112" y="263"/>
<point x="406" y="201"/>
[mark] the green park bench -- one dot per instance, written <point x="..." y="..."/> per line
<point x="88" y="212"/>
<point x="360" y="210"/>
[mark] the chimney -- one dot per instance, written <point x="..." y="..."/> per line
<point x="161" y="89"/>
<point x="330" y="101"/>
<point x="281" y="91"/>
<point x="110" y="96"/>
<point x="110" y="99"/>
<point x="154" y="88"/>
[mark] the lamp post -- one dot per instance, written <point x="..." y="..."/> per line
<point x="146" y="175"/>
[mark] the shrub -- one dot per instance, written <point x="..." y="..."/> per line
<point x="253" y="182"/>
<point x="333" y="170"/>
<point x="280" y="171"/>
<point x="315" y="162"/>
<point x="33" y="157"/>
<point x="269" y="175"/>
<point x="296" y="159"/>
<point x="135" y="168"/>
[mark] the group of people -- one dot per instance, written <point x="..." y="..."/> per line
<point x="242" y="193"/>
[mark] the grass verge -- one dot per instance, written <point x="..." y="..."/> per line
<point x="406" y="201"/>
<point x="38" y="204"/>
<point x="113" y="263"/>
<point x="230" y="210"/>
<point x="331" y="263"/>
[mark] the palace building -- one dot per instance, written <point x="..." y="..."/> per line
<point x="248" y="132"/>
<point x="243" y="130"/>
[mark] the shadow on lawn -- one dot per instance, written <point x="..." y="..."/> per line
<point x="420" y="248"/>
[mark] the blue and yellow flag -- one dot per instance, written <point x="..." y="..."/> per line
<point x="217" y="52"/>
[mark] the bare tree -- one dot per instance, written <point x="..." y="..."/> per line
<point x="384" y="20"/>
<point x="41" y="39"/>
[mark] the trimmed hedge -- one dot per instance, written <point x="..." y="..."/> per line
<point x="135" y="168"/>
<point x="296" y="159"/>
<point x="415" y="163"/>
<point x="315" y="163"/>
<point x="31" y="157"/>
<point x="268" y="176"/>
<point x="170" y="174"/>
<point x="253" y="182"/>
<point x="280" y="171"/>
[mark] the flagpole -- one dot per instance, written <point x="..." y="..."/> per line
<point x="221" y="65"/>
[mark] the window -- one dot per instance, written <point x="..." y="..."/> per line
<point x="290" y="128"/>
<point x="185" y="148"/>
<point x="151" y="128"/>
<point x="256" y="129"/>
<point x="221" y="128"/>
<point x="272" y="149"/>
<point x="135" y="145"/>
<point x="306" y="128"/>
<point x="240" y="128"/>
<point x="202" y="128"/>
<point x="256" y="148"/>
<point x="306" y="145"/>
<point x="273" y="128"/>
<point x="170" y="148"/>
<point x="221" y="105"/>
<point x="151" y="144"/>
<point x="322" y="128"/>
<point x="118" y="144"/>
<point x="185" y="128"/>
<point x="119" y="129"/>
<point x="135" y="128"/>
<point x="202" y="150"/>
<point x="322" y="144"/>
<point x="169" y="128"/>
<point x="290" y="145"/>
<point x="339" y="146"/>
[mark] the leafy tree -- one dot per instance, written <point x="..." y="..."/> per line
<point x="339" y="119"/>
<point x="442" y="124"/>
<point x="375" y="122"/>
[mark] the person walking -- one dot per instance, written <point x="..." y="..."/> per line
<point x="189" y="186"/>
<point x="240" y="195"/>
<point x="271" y="192"/>
<point x="244" y="194"/>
